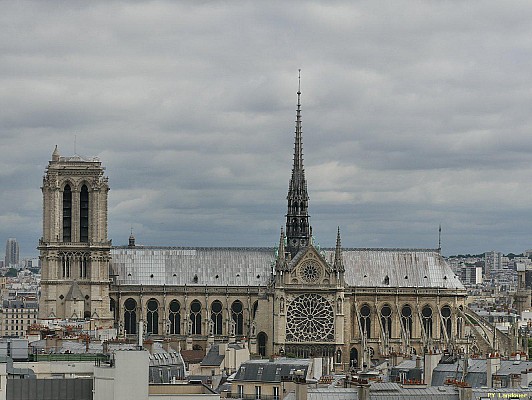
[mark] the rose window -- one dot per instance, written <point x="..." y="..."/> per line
<point x="310" y="318"/>
<point x="310" y="272"/>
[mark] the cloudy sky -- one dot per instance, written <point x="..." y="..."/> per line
<point x="415" y="113"/>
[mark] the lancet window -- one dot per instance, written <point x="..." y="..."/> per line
<point x="426" y="314"/>
<point x="175" y="317"/>
<point x="130" y="316"/>
<point x="67" y="214"/>
<point x="195" y="317"/>
<point x="217" y="317"/>
<point x="406" y="319"/>
<point x="386" y="320"/>
<point x="238" y="317"/>
<point x="152" y="316"/>
<point x="365" y="320"/>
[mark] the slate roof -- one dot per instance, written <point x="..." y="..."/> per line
<point x="179" y="266"/>
<point x="270" y="371"/>
<point x="476" y="371"/>
<point x="213" y="358"/>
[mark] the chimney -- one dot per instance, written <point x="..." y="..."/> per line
<point x="465" y="393"/>
<point x="140" y="334"/>
<point x="526" y="378"/>
<point x="363" y="390"/>
<point x="493" y="364"/>
<point x="431" y="360"/>
<point x="301" y="385"/>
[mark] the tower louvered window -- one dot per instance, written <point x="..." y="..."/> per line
<point x="84" y="215"/>
<point x="67" y="214"/>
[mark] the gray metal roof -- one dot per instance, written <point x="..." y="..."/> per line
<point x="381" y="268"/>
<point x="379" y="391"/>
<point x="476" y="375"/>
<point x="403" y="267"/>
<point x="407" y="364"/>
<point x="332" y="394"/>
<point x="192" y="266"/>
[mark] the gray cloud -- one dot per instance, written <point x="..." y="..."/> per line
<point x="414" y="114"/>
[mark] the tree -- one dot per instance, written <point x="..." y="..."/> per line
<point x="11" y="272"/>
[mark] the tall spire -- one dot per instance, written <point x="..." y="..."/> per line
<point x="297" y="218"/>
<point x="439" y="239"/>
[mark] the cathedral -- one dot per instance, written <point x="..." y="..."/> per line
<point x="348" y="305"/>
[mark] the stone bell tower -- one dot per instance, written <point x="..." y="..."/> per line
<point x="74" y="249"/>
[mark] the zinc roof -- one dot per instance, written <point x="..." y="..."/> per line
<point x="403" y="268"/>
<point x="381" y="268"/>
<point x="192" y="266"/>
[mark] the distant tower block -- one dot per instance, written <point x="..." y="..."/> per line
<point x="12" y="253"/>
<point x="74" y="249"/>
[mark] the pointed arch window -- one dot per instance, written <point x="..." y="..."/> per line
<point x="262" y="339"/>
<point x="152" y="316"/>
<point x="175" y="317"/>
<point x="130" y="316"/>
<point x="365" y="317"/>
<point x="195" y="317"/>
<point x="447" y="322"/>
<point x="216" y="317"/>
<point x="406" y="319"/>
<point x="66" y="265"/>
<point x="84" y="267"/>
<point x="84" y="214"/>
<point x="426" y="313"/>
<point x="238" y="316"/>
<point x="386" y="320"/>
<point x="67" y="214"/>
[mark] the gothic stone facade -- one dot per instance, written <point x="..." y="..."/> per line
<point x="74" y="249"/>
<point x="348" y="305"/>
<point x="386" y="301"/>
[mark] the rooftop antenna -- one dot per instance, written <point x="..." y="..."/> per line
<point x="75" y="137"/>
